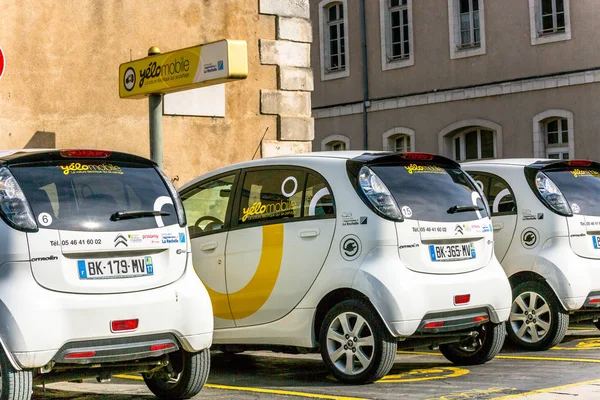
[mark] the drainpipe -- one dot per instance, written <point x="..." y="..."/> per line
<point x="366" y="102"/>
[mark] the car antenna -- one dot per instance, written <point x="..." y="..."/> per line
<point x="259" y="143"/>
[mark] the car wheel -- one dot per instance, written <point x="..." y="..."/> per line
<point x="355" y="344"/>
<point x="479" y="349"/>
<point x="185" y="378"/>
<point x="597" y="324"/>
<point x="16" y="385"/>
<point x="537" y="320"/>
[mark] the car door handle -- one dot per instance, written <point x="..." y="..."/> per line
<point x="209" y="246"/>
<point x="498" y="226"/>
<point x="306" y="233"/>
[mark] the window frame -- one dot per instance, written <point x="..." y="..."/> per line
<point x="235" y="213"/>
<point x="192" y="190"/>
<point x="326" y="143"/>
<point x="454" y="27"/>
<point x="385" y="22"/>
<point x="540" y="138"/>
<point x="463" y="151"/>
<point x="324" y="40"/>
<point x="485" y="192"/>
<point x="535" y="22"/>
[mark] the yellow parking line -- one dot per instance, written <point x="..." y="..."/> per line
<point x="530" y="358"/>
<point x="547" y="390"/>
<point x="259" y="390"/>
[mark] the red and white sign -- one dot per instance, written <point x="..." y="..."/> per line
<point x="2" y="63"/>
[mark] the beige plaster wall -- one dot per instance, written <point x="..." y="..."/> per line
<point x="60" y="87"/>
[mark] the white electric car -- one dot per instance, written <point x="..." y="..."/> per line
<point x="353" y="253"/>
<point x="96" y="276"/>
<point x="546" y="223"/>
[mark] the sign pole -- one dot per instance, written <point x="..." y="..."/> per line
<point x="155" y="119"/>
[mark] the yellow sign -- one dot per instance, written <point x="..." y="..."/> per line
<point x="190" y="68"/>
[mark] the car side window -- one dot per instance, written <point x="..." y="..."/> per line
<point x="206" y="205"/>
<point x="499" y="195"/>
<point x="271" y="195"/>
<point x="318" y="201"/>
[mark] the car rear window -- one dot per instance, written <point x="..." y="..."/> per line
<point x="428" y="192"/>
<point x="82" y="196"/>
<point x="580" y="186"/>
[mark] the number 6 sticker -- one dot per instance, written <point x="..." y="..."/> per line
<point x="45" y="219"/>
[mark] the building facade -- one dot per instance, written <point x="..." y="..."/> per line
<point x="468" y="79"/>
<point x="60" y="85"/>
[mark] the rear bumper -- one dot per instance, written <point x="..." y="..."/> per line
<point x="573" y="278"/>
<point x="405" y="298"/>
<point x="35" y="322"/>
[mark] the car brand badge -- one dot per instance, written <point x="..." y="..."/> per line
<point x="120" y="239"/>
<point x="458" y="230"/>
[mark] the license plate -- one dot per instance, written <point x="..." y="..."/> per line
<point x="115" y="268"/>
<point x="596" y="241"/>
<point x="452" y="252"/>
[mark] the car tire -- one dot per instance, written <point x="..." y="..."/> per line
<point x="478" y="350"/>
<point x="597" y="324"/>
<point x="16" y="385"/>
<point x="537" y="320"/>
<point x="356" y="346"/>
<point x="190" y="372"/>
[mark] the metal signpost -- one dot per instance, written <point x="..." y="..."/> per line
<point x="189" y="68"/>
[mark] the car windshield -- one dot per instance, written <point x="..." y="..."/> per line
<point x="83" y="196"/>
<point x="433" y="193"/>
<point x="580" y="186"/>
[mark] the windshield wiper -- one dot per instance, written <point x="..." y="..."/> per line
<point x="457" y="209"/>
<point x="119" y="215"/>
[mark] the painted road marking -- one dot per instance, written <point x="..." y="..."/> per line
<point x="592" y="344"/>
<point x="547" y="390"/>
<point x="472" y="394"/>
<point x="531" y="358"/>
<point x="258" y="390"/>
<point x="419" y="375"/>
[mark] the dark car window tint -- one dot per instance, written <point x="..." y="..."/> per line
<point x="318" y="201"/>
<point x="498" y="193"/>
<point x="431" y="191"/>
<point x="580" y="186"/>
<point x="83" y="196"/>
<point x="206" y="205"/>
<point x="271" y="195"/>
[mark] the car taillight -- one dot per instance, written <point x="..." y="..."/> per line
<point x="162" y="346"/>
<point x="81" y="354"/>
<point x="13" y="204"/>
<point x="462" y="299"/>
<point x="579" y="163"/>
<point x="552" y="195"/>
<point x="176" y="199"/>
<point x="124" y="325"/>
<point x="378" y="194"/>
<point x="417" y="156"/>
<point x="85" y="153"/>
<point x="433" y="325"/>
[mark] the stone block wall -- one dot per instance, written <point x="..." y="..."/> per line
<point x="291" y="101"/>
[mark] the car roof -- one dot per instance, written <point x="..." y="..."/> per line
<point x="523" y="162"/>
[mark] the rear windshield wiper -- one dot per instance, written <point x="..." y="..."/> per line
<point x="457" y="209"/>
<point x="119" y="215"/>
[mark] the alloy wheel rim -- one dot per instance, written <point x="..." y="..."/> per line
<point x="350" y="343"/>
<point x="530" y="317"/>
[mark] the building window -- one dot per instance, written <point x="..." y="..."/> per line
<point x="396" y="33"/>
<point x="335" y="143"/>
<point x="474" y="144"/>
<point x="469" y="23"/>
<point x="553" y="135"/>
<point x="399" y="140"/>
<point x="550" y="21"/>
<point x="557" y="138"/>
<point x="467" y="28"/>
<point x="333" y="35"/>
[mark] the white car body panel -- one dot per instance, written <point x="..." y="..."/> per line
<point x="400" y="295"/>
<point x="572" y="277"/>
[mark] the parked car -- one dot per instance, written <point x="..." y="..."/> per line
<point x="353" y="253"/>
<point x="96" y="276"/>
<point x="546" y="223"/>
